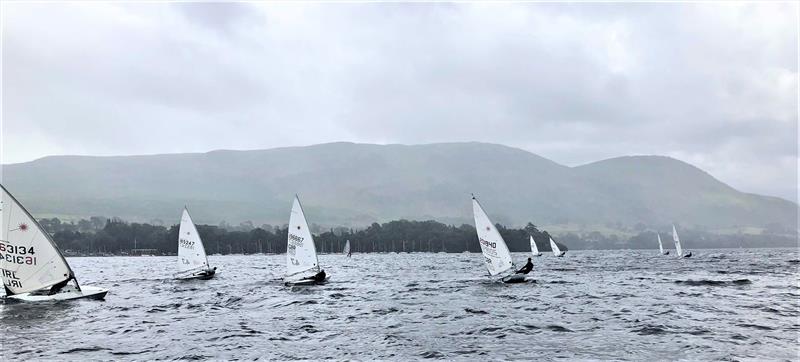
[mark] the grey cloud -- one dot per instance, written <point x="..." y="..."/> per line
<point x="713" y="84"/>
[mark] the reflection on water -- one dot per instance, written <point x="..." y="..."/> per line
<point x="637" y="305"/>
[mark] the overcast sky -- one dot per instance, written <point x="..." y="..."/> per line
<point x="715" y="85"/>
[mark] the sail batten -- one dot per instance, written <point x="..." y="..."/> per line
<point x="301" y="253"/>
<point x="495" y="251"/>
<point x="30" y="260"/>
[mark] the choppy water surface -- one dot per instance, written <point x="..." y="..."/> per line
<point x="720" y="304"/>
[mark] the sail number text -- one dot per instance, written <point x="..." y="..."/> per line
<point x="17" y="254"/>
<point x="186" y="244"/>
<point x="294" y="242"/>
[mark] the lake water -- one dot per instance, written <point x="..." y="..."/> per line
<point x="628" y="305"/>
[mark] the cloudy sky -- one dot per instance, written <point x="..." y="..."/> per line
<point x="715" y="85"/>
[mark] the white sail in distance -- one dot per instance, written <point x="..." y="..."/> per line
<point x="191" y="251"/>
<point x="660" y="246"/>
<point x="677" y="240"/>
<point x="495" y="251"/>
<point x="346" y="247"/>
<point x="554" y="246"/>
<point x="29" y="258"/>
<point x="301" y="254"/>
<point x="534" y="248"/>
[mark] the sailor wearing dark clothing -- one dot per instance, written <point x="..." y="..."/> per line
<point x="320" y="277"/>
<point x="527" y="268"/>
<point x="208" y="272"/>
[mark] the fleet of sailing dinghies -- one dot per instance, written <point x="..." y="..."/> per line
<point x="661" y="246"/>
<point x="302" y="265"/>
<point x="496" y="255"/>
<point x="534" y="248"/>
<point x="33" y="269"/>
<point x="31" y="266"/>
<point x="192" y="259"/>
<point x="556" y="251"/>
<point x="678" y="249"/>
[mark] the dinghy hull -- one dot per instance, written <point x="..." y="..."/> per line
<point x="305" y="282"/>
<point x="518" y="278"/>
<point x="561" y="254"/>
<point x="86" y="292"/>
<point x="201" y="275"/>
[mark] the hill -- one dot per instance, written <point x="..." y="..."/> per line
<point x="357" y="184"/>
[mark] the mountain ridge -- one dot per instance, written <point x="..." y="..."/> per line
<point x="354" y="184"/>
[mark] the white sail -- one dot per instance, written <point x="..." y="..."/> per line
<point x="29" y="258"/>
<point x="534" y="248"/>
<point x="494" y="248"/>
<point x="301" y="254"/>
<point x="346" y="247"/>
<point x="660" y="246"/>
<point x="677" y="240"/>
<point x="191" y="252"/>
<point x="554" y="246"/>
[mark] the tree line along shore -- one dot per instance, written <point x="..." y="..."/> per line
<point x="113" y="236"/>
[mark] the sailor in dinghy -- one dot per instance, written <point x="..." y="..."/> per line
<point x="302" y="264"/>
<point x="31" y="265"/>
<point x="192" y="259"/>
<point x="496" y="255"/>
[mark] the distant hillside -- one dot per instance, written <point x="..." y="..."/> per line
<point x="357" y="184"/>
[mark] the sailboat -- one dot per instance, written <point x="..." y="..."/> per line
<point x="534" y="248"/>
<point x="678" y="248"/>
<point x="556" y="251"/>
<point x="192" y="259"/>
<point x="661" y="246"/>
<point x="346" y="250"/>
<point x="31" y="265"/>
<point x="302" y="265"/>
<point x="496" y="255"/>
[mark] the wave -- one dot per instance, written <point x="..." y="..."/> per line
<point x="711" y="282"/>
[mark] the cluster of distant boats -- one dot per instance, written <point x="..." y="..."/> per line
<point x="33" y="268"/>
